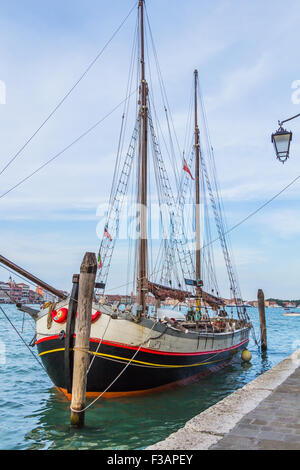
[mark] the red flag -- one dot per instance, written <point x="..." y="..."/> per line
<point x="107" y="235"/>
<point x="186" y="168"/>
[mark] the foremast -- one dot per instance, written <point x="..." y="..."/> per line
<point x="142" y="285"/>
<point x="197" y="198"/>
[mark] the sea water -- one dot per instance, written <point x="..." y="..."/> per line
<point x="35" y="416"/>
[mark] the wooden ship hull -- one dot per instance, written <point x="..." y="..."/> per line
<point x="150" y="355"/>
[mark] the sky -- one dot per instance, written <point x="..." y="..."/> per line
<point x="247" y="54"/>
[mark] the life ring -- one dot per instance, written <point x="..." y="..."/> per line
<point x="60" y="316"/>
<point x="96" y="316"/>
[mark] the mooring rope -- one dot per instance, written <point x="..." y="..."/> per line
<point x="234" y="227"/>
<point x="84" y="134"/>
<point x="86" y="71"/>
<point x="98" y="347"/>
<point x="22" y="339"/>
<point x="118" y="376"/>
<point x="124" y="369"/>
<point x="95" y="355"/>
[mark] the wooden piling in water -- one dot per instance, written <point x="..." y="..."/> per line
<point x="262" y="319"/>
<point x="83" y="329"/>
<point x="70" y="330"/>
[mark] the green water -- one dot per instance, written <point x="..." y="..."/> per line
<point x="35" y="416"/>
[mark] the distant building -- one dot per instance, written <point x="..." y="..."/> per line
<point x="40" y="291"/>
<point x="271" y="304"/>
<point x="24" y="293"/>
<point x="15" y="291"/>
<point x="48" y="297"/>
<point x="18" y="292"/>
<point x="34" y="297"/>
<point x="4" y="293"/>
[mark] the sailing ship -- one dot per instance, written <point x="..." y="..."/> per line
<point x="133" y="351"/>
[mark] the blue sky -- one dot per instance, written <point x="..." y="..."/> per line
<point x="247" y="54"/>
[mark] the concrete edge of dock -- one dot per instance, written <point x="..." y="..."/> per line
<point x="207" y="428"/>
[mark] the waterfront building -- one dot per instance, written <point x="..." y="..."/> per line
<point x="4" y="293"/>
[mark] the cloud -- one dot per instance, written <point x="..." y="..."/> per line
<point x="240" y="83"/>
<point x="284" y="224"/>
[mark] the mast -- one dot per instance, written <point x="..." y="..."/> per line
<point x="197" y="190"/>
<point x="142" y="183"/>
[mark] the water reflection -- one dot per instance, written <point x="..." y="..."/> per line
<point x="246" y="365"/>
<point x="265" y="362"/>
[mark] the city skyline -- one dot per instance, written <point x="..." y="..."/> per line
<point x="20" y="292"/>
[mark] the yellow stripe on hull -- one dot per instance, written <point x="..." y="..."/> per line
<point x="126" y="359"/>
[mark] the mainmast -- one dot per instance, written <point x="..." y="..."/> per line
<point x="197" y="190"/>
<point x="142" y="183"/>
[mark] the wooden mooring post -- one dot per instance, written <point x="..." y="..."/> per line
<point x="82" y="329"/>
<point x="262" y="319"/>
<point x="70" y="330"/>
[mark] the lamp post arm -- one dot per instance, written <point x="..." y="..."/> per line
<point x="290" y="119"/>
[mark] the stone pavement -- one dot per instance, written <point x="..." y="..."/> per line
<point x="264" y="414"/>
<point x="273" y="425"/>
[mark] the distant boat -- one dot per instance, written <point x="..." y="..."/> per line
<point x="289" y="306"/>
<point x="292" y="314"/>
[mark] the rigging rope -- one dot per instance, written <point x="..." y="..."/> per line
<point x="121" y="177"/>
<point x="12" y="159"/>
<point x="234" y="227"/>
<point x="118" y="376"/>
<point x="32" y="284"/>
<point x="88" y="131"/>
<point x="22" y="339"/>
<point x="161" y="82"/>
<point x="98" y="347"/>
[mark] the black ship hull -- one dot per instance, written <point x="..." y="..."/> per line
<point x="141" y="371"/>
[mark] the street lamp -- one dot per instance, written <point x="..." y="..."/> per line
<point x="282" y="141"/>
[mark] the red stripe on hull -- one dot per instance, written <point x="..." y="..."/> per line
<point x="165" y="353"/>
<point x="152" y="351"/>
<point x="49" y="338"/>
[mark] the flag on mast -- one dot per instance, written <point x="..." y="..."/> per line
<point x="186" y="168"/>
<point x="107" y="234"/>
<point x="100" y="264"/>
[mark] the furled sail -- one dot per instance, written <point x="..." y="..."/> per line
<point x="164" y="292"/>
